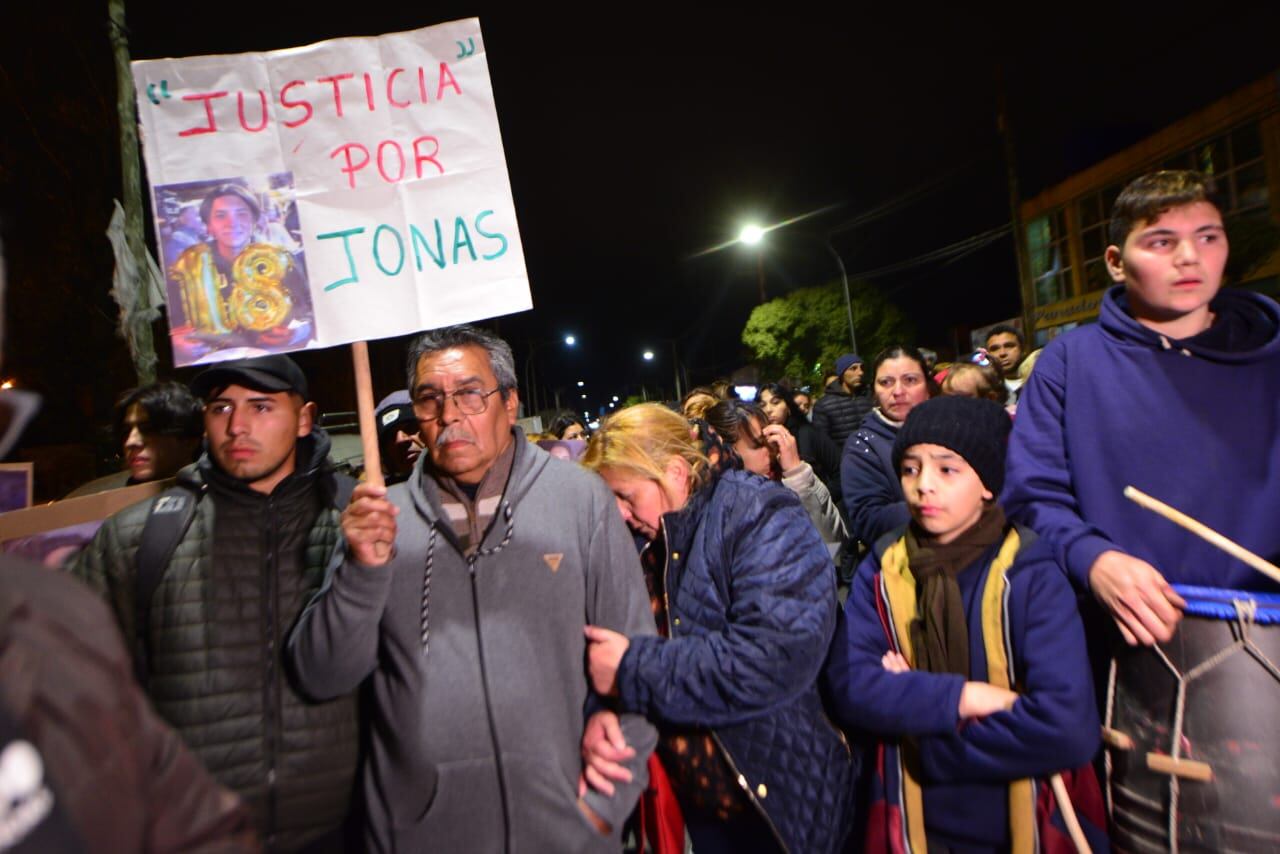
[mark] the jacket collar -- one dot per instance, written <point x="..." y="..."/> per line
<point x="1243" y="306"/>
<point x="313" y="460"/>
<point x="525" y="466"/>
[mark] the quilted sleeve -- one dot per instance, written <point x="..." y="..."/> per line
<point x="773" y="578"/>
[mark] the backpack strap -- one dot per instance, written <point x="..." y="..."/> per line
<point x="343" y="486"/>
<point x="167" y="523"/>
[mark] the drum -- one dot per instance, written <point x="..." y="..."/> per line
<point x="1193" y="730"/>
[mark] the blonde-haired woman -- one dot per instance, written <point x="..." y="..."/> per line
<point x="744" y="595"/>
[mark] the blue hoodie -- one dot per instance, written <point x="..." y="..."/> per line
<point x="1194" y="423"/>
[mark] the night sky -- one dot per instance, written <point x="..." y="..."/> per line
<point x="634" y="142"/>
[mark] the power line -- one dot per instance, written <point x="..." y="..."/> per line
<point x="952" y="251"/>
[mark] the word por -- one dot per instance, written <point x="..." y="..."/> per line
<point x="398" y="89"/>
<point x="392" y="169"/>
<point x="389" y="253"/>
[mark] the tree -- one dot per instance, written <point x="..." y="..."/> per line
<point x="803" y="333"/>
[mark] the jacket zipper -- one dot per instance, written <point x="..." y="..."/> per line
<point x="738" y="775"/>
<point x="271" y="695"/>
<point x="903" y="819"/>
<point x="488" y="711"/>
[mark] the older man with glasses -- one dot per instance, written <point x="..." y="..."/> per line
<point x="464" y="593"/>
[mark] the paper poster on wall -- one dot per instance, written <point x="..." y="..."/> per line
<point x="349" y="190"/>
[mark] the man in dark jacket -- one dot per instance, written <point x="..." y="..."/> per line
<point x="841" y="409"/>
<point x="213" y="631"/>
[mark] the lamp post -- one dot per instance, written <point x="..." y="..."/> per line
<point x="753" y="235"/>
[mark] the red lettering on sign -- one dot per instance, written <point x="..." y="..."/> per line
<point x="208" y="98"/>
<point x="290" y="105"/>
<point x="262" y="100"/>
<point x="391" y="98"/>
<point x="335" y="79"/>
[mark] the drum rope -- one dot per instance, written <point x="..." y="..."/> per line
<point x="1246" y="613"/>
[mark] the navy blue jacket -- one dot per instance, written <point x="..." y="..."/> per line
<point x="752" y="607"/>
<point x="965" y="767"/>
<point x="1114" y="404"/>
<point x="872" y="489"/>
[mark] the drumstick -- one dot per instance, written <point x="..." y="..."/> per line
<point x="1069" y="814"/>
<point x="1203" y="531"/>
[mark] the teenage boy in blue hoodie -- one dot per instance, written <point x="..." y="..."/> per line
<point x="962" y="651"/>
<point x="1176" y="390"/>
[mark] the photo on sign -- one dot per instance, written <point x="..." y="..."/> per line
<point x="235" y="273"/>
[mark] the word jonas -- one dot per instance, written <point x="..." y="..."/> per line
<point x="298" y="100"/>
<point x="390" y="249"/>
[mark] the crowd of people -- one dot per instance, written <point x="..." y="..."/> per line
<point x="870" y="619"/>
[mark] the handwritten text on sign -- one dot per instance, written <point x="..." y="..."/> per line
<point x="349" y="190"/>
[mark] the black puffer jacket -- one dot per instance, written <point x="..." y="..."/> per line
<point x="218" y="620"/>
<point x="838" y="413"/>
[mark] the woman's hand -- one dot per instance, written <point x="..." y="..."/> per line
<point x="605" y="649"/>
<point x="783" y="444"/>
<point x="604" y="749"/>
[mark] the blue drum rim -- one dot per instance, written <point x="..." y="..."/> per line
<point x="1218" y="603"/>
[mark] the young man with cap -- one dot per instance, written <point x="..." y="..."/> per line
<point x="211" y="597"/>
<point x="841" y="409"/>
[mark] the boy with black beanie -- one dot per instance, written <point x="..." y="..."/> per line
<point x="962" y="652"/>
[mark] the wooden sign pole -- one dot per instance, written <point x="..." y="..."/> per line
<point x="364" y="406"/>
<point x="368" y="429"/>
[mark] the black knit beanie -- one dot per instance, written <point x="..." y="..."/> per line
<point x="975" y="428"/>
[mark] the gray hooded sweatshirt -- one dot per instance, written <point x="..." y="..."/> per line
<point x="475" y="742"/>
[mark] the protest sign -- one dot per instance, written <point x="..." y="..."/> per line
<point x="349" y="190"/>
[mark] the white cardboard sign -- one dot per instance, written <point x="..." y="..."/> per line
<point x="349" y="190"/>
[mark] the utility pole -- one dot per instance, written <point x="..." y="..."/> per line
<point x="1026" y="287"/>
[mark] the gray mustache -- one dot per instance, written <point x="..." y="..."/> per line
<point x="454" y="433"/>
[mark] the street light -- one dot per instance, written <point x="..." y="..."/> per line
<point x="581" y="383"/>
<point x="752" y="235"/>
<point x="570" y="340"/>
<point x="648" y="355"/>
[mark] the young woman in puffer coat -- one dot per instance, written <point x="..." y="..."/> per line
<point x="744" y="594"/>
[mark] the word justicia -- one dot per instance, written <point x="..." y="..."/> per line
<point x="298" y="100"/>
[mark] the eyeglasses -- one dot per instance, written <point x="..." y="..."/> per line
<point x="470" y="401"/>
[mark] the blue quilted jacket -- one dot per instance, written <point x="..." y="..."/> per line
<point x="751" y="610"/>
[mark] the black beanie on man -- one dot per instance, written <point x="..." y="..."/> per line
<point x="975" y="428"/>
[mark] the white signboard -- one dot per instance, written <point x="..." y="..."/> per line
<point x="349" y="190"/>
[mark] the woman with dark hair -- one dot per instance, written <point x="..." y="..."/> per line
<point x="771" y="451"/>
<point x="566" y="425"/>
<point x="816" y="449"/>
<point x="872" y="490"/>
<point x="158" y="428"/>
<point x="744" y="595"/>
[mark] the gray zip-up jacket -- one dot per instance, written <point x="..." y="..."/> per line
<point x="475" y="743"/>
